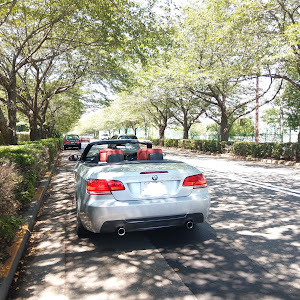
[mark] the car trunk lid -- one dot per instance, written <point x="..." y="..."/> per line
<point x="149" y="180"/>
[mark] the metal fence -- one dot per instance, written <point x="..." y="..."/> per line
<point x="263" y="137"/>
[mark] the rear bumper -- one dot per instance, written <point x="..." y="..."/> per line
<point x="151" y="223"/>
<point x="107" y="216"/>
<point x="72" y="145"/>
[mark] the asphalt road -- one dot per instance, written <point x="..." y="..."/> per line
<point x="249" y="249"/>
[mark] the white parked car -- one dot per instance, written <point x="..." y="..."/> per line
<point x="126" y="185"/>
<point x="104" y="136"/>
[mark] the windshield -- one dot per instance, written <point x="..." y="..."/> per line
<point x="128" y="137"/>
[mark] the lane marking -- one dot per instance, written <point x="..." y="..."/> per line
<point x="256" y="183"/>
<point x="248" y="181"/>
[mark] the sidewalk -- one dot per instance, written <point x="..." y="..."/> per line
<point x="17" y="248"/>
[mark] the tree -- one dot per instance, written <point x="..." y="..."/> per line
<point x="186" y="110"/>
<point x="39" y="83"/>
<point x="63" y="112"/>
<point x="291" y="107"/>
<point x="170" y="74"/>
<point x="90" y="123"/>
<point x="222" y="61"/>
<point x="243" y="126"/>
<point x="280" y="26"/>
<point x="123" y="113"/>
<point x="273" y="117"/>
<point x="24" y="34"/>
<point x="154" y="94"/>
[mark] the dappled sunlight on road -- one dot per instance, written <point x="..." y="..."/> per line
<point x="254" y="218"/>
<point x="260" y="222"/>
<point x="217" y="270"/>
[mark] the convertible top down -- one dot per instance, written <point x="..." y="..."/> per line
<point x="126" y="185"/>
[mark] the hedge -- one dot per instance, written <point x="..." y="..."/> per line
<point x="22" y="137"/>
<point x="21" y="167"/>
<point x="286" y="151"/>
<point x="32" y="160"/>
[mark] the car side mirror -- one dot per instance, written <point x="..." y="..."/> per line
<point x="73" y="157"/>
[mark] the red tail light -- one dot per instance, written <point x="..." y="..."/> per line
<point x="103" y="187"/>
<point x="78" y="141"/>
<point x="115" y="185"/>
<point x="196" y="181"/>
<point x="66" y="142"/>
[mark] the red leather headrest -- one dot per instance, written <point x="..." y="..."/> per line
<point x="104" y="153"/>
<point x="143" y="154"/>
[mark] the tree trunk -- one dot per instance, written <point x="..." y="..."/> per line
<point x="34" y="131"/>
<point x="224" y="128"/>
<point x="161" y="130"/>
<point x="43" y="132"/>
<point x="4" y="128"/>
<point x="185" y="127"/>
<point x="12" y="111"/>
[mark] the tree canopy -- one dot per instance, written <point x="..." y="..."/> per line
<point x="167" y="67"/>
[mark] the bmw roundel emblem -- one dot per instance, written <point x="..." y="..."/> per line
<point x="154" y="177"/>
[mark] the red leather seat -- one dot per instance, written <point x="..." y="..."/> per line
<point x="111" y="155"/>
<point x="149" y="154"/>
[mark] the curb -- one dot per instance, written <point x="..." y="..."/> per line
<point x="17" y="248"/>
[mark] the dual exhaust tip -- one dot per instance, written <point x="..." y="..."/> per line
<point x="121" y="231"/>
<point x="189" y="224"/>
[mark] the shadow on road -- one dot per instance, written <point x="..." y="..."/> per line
<point x="246" y="251"/>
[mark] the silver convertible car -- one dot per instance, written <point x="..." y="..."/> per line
<point x="126" y="185"/>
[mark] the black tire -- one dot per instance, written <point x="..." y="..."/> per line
<point x="65" y="148"/>
<point x="80" y="230"/>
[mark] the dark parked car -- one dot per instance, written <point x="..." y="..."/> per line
<point x="72" y="141"/>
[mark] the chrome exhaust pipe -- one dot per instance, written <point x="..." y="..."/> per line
<point x="121" y="231"/>
<point x="189" y="224"/>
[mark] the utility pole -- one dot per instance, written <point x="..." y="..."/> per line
<point x="256" y="113"/>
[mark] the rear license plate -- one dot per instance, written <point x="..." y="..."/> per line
<point x="154" y="189"/>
